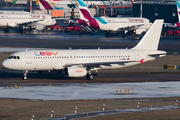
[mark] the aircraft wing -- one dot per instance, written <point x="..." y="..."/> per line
<point x="27" y="22"/>
<point x="126" y="27"/>
<point x="97" y="64"/>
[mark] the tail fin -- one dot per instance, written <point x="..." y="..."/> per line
<point x="150" y="41"/>
<point x="83" y="10"/>
<point x="45" y="5"/>
<point x="178" y="9"/>
<point x="40" y="5"/>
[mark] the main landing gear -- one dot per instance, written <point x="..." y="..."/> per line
<point x="124" y="33"/>
<point x="6" y="30"/>
<point x="107" y="34"/>
<point x="89" y="76"/>
<point x="25" y="75"/>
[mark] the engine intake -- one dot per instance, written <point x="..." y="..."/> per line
<point x="140" y="30"/>
<point x="38" y="26"/>
<point x="75" y="72"/>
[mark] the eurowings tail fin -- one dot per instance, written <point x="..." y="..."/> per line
<point x="178" y="9"/>
<point x="83" y="10"/>
<point x="150" y="41"/>
<point x="45" y="5"/>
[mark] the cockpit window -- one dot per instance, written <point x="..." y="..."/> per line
<point x="10" y="57"/>
<point x="14" y="57"/>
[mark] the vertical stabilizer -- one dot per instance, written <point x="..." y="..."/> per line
<point x="83" y="10"/>
<point x="45" y="5"/>
<point x="178" y="9"/>
<point x="41" y="6"/>
<point x="150" y="41"/>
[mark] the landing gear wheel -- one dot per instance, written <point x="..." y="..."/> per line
<point x="90" y="77"/>
<point x="124" y="35"/>
<point x="6" y="30"/>
<point x="107" y="34"/>
<point x="24" y="78"/>
<point x="22" y="30"/>
<point x="25" y="75"/>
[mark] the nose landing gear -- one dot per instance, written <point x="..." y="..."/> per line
<point x="25" y="75"/>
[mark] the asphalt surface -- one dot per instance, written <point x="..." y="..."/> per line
<point x="75" y="41"/>
<point x="9" y="78"/>
<point x="100" y="113"/>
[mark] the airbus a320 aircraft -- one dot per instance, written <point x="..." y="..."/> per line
<point x="80" y="63"/>
<point x="63" y="4"/>
<point x="108" y="24"/>
<point x="22" y="20"/>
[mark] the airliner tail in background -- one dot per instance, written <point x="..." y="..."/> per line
<point x="46" y="5"/>
<point x="108" y="24"/>
<point x="84" y="11"/>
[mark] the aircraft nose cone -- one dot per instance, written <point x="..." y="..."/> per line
<point x="5" y="64"/>
<point x="54" y="21"/>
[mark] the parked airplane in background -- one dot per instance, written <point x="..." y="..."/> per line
<point x="138" y="25"/>
<point x="80" y="63"/>
<point x="63" y="4"/>
<point x="123" y="3"/>
<point x="23" y="20"/>
<point x="59" y="5"/>
<point x="47" y="5"/>
<point x="13" y="12"/>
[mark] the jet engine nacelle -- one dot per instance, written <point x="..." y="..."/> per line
<point x="38" y="26"/>
<point x="140" y="30"/>
<point x="75" y="72"/>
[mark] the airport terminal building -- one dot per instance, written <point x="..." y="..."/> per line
<point x="153" y="10"/>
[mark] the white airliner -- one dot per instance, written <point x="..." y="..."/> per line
<point x="13" y="12"/>
<point x="79" y="63"/>
<point x="22" y="20"/>
<point x="138" y="25"/>
<point x="63" y="4"/>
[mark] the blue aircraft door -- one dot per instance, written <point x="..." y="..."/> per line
<point x="28" y="58"/>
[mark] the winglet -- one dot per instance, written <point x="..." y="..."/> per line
<point x="141" y="61"/>
<point x="150" y="41"/>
